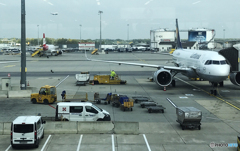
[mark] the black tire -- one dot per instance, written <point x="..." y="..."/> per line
<point x="108" y="102"/>
<point x="37" y="144"/>
<point x="143" y="105"/>
<point x="98" y="101"/>
<point x="105" y="103"/>
<point x="162" y="111"/>
<point x="149" y="110"/>
<point x="215" y="92"/>
<point x="199" y="127"/>
<point x="13" y="146"/>
<point x="34" y="101"/>
<point x="131" y="109"/>
<point x="183" y="127"/>
<point x="45" y="101"/>
<point x="136" y="101"/>
<point x="100" y="119"/>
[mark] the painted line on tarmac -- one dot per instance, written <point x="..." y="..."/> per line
<point x="52" y="106"/>
<point x="113" y="147"/>
<point x="149" y="149"/>
<point x="210" y="94"/>
<point x="45" y="143"/>
<point x="79" y="143"/>
<point x="8" y="148"/>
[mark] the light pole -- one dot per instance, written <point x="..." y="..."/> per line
<point x="99" y="13"/>
<point x="223" y="38"/>
<point x="127" y="34"/>
<point x="80" y="31"/>
<point x="38" y="34"/>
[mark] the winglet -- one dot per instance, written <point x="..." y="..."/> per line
<point x="179" y="44"/>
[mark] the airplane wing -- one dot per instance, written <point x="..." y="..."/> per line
<point x="178" y="69"/>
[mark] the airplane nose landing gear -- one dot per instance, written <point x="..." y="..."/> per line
<point x="214" y="85"/>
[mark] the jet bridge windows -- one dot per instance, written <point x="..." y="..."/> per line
<point x="216" y="62"/>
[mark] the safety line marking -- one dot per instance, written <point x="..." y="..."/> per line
<point x="8" y="148"/>
<point x="79" y="143"/>
<point x="52" y="106"/>
<point x="113" y="147"/>
<point x="45" y="143"/>
<point x="209" y="94"/>
<point x="149" y="149"/>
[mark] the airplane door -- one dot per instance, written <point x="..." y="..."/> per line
<point x="76" y="113"/>
<point x="91" y="114"/>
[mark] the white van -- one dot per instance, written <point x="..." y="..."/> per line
<point x="27" y="130"/>
<point x="80" y="111"/>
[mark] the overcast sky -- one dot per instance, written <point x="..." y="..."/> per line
<point x="141" y="15"/>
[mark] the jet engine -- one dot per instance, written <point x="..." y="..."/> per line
<point x="235" y="78"/>
<point x="162" y="77"/>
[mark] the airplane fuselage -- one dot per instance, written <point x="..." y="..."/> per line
<point x="207" y="65"/>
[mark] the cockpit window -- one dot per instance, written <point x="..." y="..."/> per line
<point x="216" y="62"/>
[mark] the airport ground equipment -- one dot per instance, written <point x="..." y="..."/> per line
<point x="38" y="51"/>
<point x="47" y="94"/>
<point x="94" y="52"/>
<point x="238" y="143"/>
<point x="148" y="103"/>
<point x="188" y="117"/>
<point x="105" y="79"/>
<point x="158" y="108"/>
<point x="122" y="101"/>
<point x="98" y="100"/>
<point x="140" y="99"/>
<point x="82" y="78"/>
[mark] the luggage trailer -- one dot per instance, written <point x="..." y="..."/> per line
<point x="188" y="117"/>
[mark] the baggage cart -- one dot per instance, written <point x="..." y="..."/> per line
<point x="149" y="103"/>
<point x="82" y="78"/>
<point x="140" y="99"/>
<point x="158" y="108"/>
<point x="98" y="100"/>
<point x="188" y="117"/>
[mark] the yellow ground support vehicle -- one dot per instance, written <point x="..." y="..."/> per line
<point x="105" y="79"/>
<point x="47" y="94"/>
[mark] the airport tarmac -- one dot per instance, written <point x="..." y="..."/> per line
<point x="157" y="131"/>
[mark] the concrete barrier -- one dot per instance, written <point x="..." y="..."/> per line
<point x="60" y="127"/>
<point x="1" y="128"/>
<point x="6" y="128"/>
<point x="20" y="93"/>
<point x="126" y="127"/>
<point x="3" y="93"/>
<point x="103" y="127"/>
<point x="95" y="127"/>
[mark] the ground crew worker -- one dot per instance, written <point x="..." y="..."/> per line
<point x="112" y="75"/>
<point x="63" y="94"/>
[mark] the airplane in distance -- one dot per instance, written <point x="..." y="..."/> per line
<point x="49" y="49"/>
<point x="54" y="13"/>
<point x="207" y="65"/>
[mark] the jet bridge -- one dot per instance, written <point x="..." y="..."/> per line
<point x="232" y="55"/>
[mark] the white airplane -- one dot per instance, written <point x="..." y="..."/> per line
<point x="54" y="13"/>
<point x="207" y="65"/>
<point x="49" y="49"/>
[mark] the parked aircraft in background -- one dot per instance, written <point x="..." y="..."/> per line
<point x="207" y="65"/>
<point x="49" y="49"/>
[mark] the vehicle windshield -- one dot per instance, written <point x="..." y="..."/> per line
<point x="23" y="128"/>
<point x="97" y="108"/>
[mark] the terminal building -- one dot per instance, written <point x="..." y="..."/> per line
<point x="164" y="39"/>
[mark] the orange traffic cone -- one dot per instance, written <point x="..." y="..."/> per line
<point x="28" y="83"/>
<point x="93" y="83"/>
<point x="164" y="89"/>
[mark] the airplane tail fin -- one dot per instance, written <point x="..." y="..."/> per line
<point x="44" y="40"/>
<point x="179" y="44"/>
